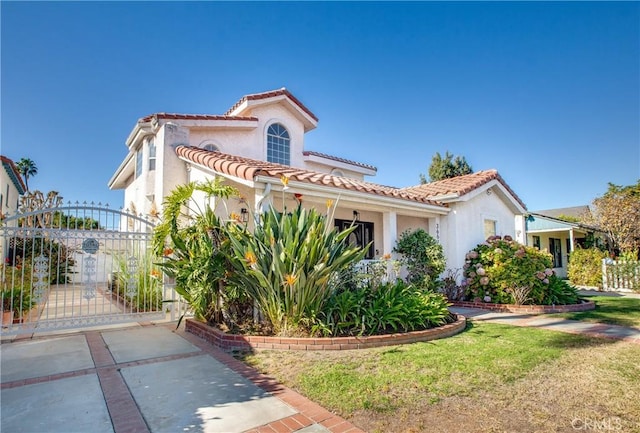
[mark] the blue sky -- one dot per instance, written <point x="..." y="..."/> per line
<point x="546" y="93"/>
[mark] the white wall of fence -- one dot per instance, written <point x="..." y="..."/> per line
<point x="621" y="275"/>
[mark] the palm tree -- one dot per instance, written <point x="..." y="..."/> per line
<point x="27" y="168"/>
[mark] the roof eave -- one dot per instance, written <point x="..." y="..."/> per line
<point x="331" y="191"/>
<point x="358" y="168"/>
<point x="121" y="174"/>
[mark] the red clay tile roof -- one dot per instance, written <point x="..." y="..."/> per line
<point x="272" y="94"/>
<point x="461" y="185"/>
<point x="13" y="173"/>
<point x="335" y="158"/>
<point x="176" y="116"/>
<point x="248" y="169"/>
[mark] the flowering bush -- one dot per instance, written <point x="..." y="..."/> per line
<point x="500" y="267"/>
<point x="423" y="257"/>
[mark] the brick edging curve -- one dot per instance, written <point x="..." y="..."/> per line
<point x="530" y="309"/>
<point x="229" y="342"/>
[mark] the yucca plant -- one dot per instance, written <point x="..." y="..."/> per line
<point x="140" y="286"/>
<point x="190" y="237"/>
<point x="288" y="265"/>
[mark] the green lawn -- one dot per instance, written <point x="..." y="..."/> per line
<point x="475" y="381"/>
<point x="614" y="310"/>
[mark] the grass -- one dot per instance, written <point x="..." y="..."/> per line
<point x="490" y="378"/>
<point x="612" y="310"/>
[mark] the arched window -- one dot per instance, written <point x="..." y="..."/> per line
<point x="211" y="147"/>
<point x="278" y="145"/>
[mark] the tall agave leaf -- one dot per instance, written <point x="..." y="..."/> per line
<point x="286" y="265"/>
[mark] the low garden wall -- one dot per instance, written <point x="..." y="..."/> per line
<point x="529" y="309"/>
<point x="229" y="342"/>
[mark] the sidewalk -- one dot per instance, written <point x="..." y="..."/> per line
<point x="145" y="379"/>
<point x="549" y="322"/>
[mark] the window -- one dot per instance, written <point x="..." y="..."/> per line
<point x="211" y="147"/>
<point x="7" y="196"/>
<point x="361" y="236"/>
<point x="489" y="228"/>
<point x="555" y="247"/>
<point x="536" y="242"/>
<point x="278" y="145"/>
<point x="138" y="162"/>
<point x="152" y="155"/>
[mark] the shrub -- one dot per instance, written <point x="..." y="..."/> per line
<point x="193" y="246"/>
<point x="288" y="265"/>
<point x="59" y="256"/>
<point x="585" y="267"/>
<point x="17" y="300"/>
<point x="141" y="287"/>
<point x="390" y="307"/>
<point x="503" y="271"/>
<point x="423" y="257"/>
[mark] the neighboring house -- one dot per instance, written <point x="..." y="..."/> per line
<point x="549" y="230"/>
<point x="261" y="139"/>
<point x="11" y="188"/>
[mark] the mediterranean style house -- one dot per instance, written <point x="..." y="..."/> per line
<point x="260" y="140"/>
<point x="11" y="187"/>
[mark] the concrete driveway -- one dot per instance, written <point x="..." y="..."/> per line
<point x="144" y="379"/>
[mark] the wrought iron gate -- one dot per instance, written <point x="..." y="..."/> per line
<point x="77" y="266"/>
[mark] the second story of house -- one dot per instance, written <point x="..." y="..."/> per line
<point x="11" y="187"/>
<point x="269" y="126"/>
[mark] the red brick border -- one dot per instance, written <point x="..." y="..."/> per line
<point x="529" y="309"/>
<point x="231" y="342"/>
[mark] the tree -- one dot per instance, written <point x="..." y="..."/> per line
<point x="27" y="168"/>
<point x="617" y="213"/>
<point x="446" y="167"/>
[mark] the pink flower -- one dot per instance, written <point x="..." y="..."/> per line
<point x="473" y="254"/>
<point x="481" y="271"/>
<point x="546" y="281"/>
<point x="508" y="238"/>
<point x="487" y="298"/>
<point x="498" y="251"/>
<point x="484" y="281"/>
<point x="540" y="275"/>
<point x="472" y="274"/>
<point x="548" y="272"/>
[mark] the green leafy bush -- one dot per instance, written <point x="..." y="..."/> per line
<point x="141" y="287"/>
<point x="192" y="240"/>
<point x="499" y="268"/>
<point x="390" y="307"/>
<point x="585" y="266"/>
<point x="288" y="265"/>
<point x="423" y="257"/>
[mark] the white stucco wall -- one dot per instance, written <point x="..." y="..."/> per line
<point x="463" y="228"/>
<point x="10" y="196"/>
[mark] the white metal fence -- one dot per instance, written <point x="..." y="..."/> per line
<point x="80" y="265"/>
<point x="622" y="275"/>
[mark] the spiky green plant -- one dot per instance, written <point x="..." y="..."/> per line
<point x="288" y="265"/>
<point x="190" y="237"/>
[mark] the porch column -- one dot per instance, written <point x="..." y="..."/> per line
<point x="571" y="240"/>
<point x="389" y="232"/>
